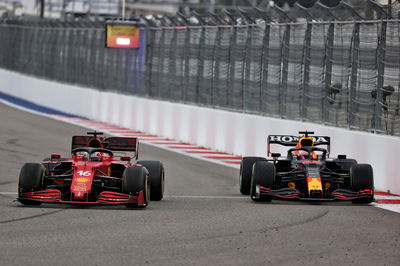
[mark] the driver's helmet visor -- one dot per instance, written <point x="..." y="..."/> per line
<point x="95" y="156"/>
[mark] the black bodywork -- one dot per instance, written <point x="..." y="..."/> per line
<point x="306" y="173"/>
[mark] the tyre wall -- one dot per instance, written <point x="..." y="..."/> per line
<point x="232" y="132"/>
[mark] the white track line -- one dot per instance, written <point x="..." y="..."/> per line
<point x="390" y="207"/>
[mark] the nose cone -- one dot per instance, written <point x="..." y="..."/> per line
<point x="314" y="187"/>
<point x="79" y="196"/>
<point x="316" y="194"/>
<point x="81" y="185"/>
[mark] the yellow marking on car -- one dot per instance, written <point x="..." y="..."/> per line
<point x="327" y="185"/>
<point x="314" y="184"/>
<point x="79" y="188"/>
<point x="82" y="179"/>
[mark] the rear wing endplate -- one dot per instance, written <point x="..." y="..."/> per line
<point x="80" y="141"/>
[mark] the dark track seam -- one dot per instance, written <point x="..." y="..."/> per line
<point x="31" y="217"/>
<point x="7" y="182"/>
<point x="311" y="219"/>
<point x="15" y="151"/>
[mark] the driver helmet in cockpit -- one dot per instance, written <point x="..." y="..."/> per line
<point x="305" y="142"/>
<point x="95" y="157"/>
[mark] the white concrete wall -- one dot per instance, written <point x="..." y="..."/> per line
<point x="236" y="133"/>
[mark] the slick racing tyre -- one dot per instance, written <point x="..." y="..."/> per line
<point x="134" y="180"/>
<point x="246" y="168"/>
<point x="361" y="177"/>
<point x="263" y="174"/>
<point x="31" y="179"/>
<point x="156" y="177"/>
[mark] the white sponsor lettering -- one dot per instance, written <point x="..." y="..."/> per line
<point x="274" y="138"/>
<point x="287" y="139"/>
<point x="321" y="139"/>
<point x="84" y="173"/>
<point x="292" y="139"/>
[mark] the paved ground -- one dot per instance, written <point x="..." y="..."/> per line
<point x="202" y="220"/>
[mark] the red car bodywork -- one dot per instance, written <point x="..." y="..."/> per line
<point x="92" y="176"/>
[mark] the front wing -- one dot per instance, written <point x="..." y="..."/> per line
<point x="105" y="197"/>
<point x="292" y="193"/>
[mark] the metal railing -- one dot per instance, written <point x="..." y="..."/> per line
<point x="344" y="74"/>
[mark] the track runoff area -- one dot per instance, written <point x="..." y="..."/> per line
<point x="383" y="199"/>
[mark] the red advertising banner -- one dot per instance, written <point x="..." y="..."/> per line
<point x="122" y="36"/>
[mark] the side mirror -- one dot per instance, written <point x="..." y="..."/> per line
<point x="342" y="156"/>
<point x="55" y="156"/>
<point x="125" y="158"/>
<point x="275" y="155"/>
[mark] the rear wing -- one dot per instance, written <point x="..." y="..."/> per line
<point x="121" y="144"/>
<point x="112" y="143"/>
<point x="291" y="141"/>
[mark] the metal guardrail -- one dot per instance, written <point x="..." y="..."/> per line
<point x="344" y="74"/>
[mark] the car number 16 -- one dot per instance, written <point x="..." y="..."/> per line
<point x="84" y="173"/>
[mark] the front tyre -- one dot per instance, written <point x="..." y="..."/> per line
<point x="156" y="177"/>
<point x="263" y="174"/>
<point x="135" y="180"/>
<point x="246" y="168"/>
<point x="362" y="177"/>
<point x="30" y="179"/>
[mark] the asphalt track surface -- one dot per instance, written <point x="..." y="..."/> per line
<point x="202" y="219"/>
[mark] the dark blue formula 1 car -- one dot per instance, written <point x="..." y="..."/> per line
<point x="305" y="173"/>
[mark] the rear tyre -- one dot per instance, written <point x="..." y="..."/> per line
<point x="31" y="179"/>
<point x="156" y="177"/>
<point x="134" y="180"/>
<point x="362" y="177"/>
<point x="246" y="168"/>
<point x="263" y="175"/>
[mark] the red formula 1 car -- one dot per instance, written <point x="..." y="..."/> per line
<point x="306" y="173"/>
<point x="100" y="171"/>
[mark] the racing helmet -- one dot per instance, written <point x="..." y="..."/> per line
<point x="305" y="142"/>
<point x="94" y="143"/>
<point x="95" y="156"/>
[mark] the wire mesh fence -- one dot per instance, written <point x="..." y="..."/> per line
<point x="344" y="74"/>
<point x="339" y="74"/>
